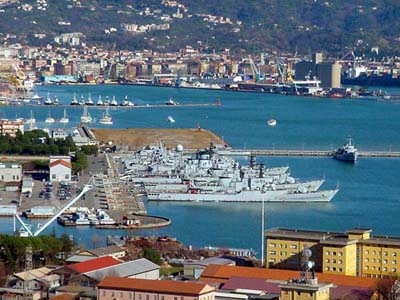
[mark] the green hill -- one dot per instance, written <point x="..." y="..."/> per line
<point x="283" y="25"/>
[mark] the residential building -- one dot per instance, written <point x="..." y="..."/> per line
<point x="354" y="252"/>
<point x="271" y="280"/>
<point x="143" y="289"/>
<point x="11" y="127"/>
<point x="60" y="168"/>
<point x="68" y="271"/>
<point x="10" y="176"/>
<point x="59" y="134"/>
<point x="140" y="268"/>
<point x="292" y="290"/>
<point x="35" y="279"/>
<point x="112" y="250"/>
<point x="194" y="268"/>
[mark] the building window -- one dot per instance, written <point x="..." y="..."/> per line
<point x="340" y="254"/>
<point x="394" y="254"/>
<point x="366" y="251"/>
<point x="112" y="294"/>
<point x="334" y="269"/>
<point x="140" y="296"/>
<point x="104" y="293"/>
<point x="147" y="297"/>
<point x="327" y="260"/>
<point x="130" y="295"/>
<point x="175" y="298"/>
<point x="327" y="253"/>
<point x="394" y="262"/>
<point x="271" y="260"/>
<point x="272" y="245"/>
<point x="340" y="269"/>
<point x="394" y="270"/>
<point x="120" y="294"/>
<point x="384" y="269"/>
<point x="67" y="176"/>
<point x="385" y="253"/>
<point x="385" y="261"/>
<point x="293" y="246"/>
<point x="334" y="261"/>
<point x="334" y="252"/>
<point x="162" y="297"/>
<point x="366" y="268"/>
<point x="53" y="176"/>
<point x="339" y="261"/>
<point x="326" y="268"/>
<point x="366" y="260"/>
<point x="271" y="252"/>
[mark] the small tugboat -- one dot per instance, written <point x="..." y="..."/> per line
<point x="346" y="153"/>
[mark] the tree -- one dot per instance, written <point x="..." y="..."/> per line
<point x="152" y="255"/>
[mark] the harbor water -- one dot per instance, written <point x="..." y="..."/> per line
<point x="369" y="190"/>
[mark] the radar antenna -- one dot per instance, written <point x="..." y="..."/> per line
<point x="307" y="273"/>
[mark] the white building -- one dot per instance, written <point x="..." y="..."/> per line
<point x="60" y="168"/>
<point x="59" y="134"/>
<point x="10" y="176"/>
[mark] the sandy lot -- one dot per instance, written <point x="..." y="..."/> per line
<point x="140" y="137"/>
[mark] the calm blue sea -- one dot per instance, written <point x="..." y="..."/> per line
<point x="369" y="194"/>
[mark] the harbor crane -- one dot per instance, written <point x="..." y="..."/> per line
<point x="83" y="191"/>
<point x="254" y="70"/>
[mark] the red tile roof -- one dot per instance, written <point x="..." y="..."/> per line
<point x="60" y="162"/>
<point x="94" y="264"/>
<point x="220" y="273"/>
<point x="156" y="286"/>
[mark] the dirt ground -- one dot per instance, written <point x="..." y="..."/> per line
<point x="139" y="137"/>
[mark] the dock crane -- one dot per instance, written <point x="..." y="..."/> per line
<point x="83" y="191"/>
<point x="255" y="71"/>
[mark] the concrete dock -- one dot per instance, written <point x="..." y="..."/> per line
<point x="280" y="152"/>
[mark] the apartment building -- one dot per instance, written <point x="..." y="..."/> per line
<point x="144" y="289"/>
<point x="354" y="252"/>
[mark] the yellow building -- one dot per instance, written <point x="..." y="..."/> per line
<point x="293" y="290"/>
<point x="354" y="252"/>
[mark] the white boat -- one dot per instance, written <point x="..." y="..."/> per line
<point x="100" y="102"/>
<point x="89" y="100"/>
<point x="49" y="119"/>
<point x="48" y="100"/>
<point x="64" y="119"/>
<point x="82" y="101"/>
<point x="107" y="101"/>
<point x="271" y="122"/>
<point x="125" y="102"/>
<point x="171" y="102"/>
<point x="36" y="97"/>
<point x="31" y="120"/>
<point x="74" y="101"/>
<point x="113" y="102"/>
<point x="106" y="119"/>
<point x="171" y="119"/>
<point x="56" y="101"/>
<point x="86" y="118"/>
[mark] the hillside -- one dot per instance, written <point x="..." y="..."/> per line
<point x="283" y="25"/>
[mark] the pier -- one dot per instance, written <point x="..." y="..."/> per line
<point x="119" y="106"/>
<point x="279" y="152"/>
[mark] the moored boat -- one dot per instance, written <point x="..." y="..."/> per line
<point x="346" y="153"/>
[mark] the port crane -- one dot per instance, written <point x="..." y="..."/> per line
<point x="84" y="190"/>
<point x="255" y="71"/>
